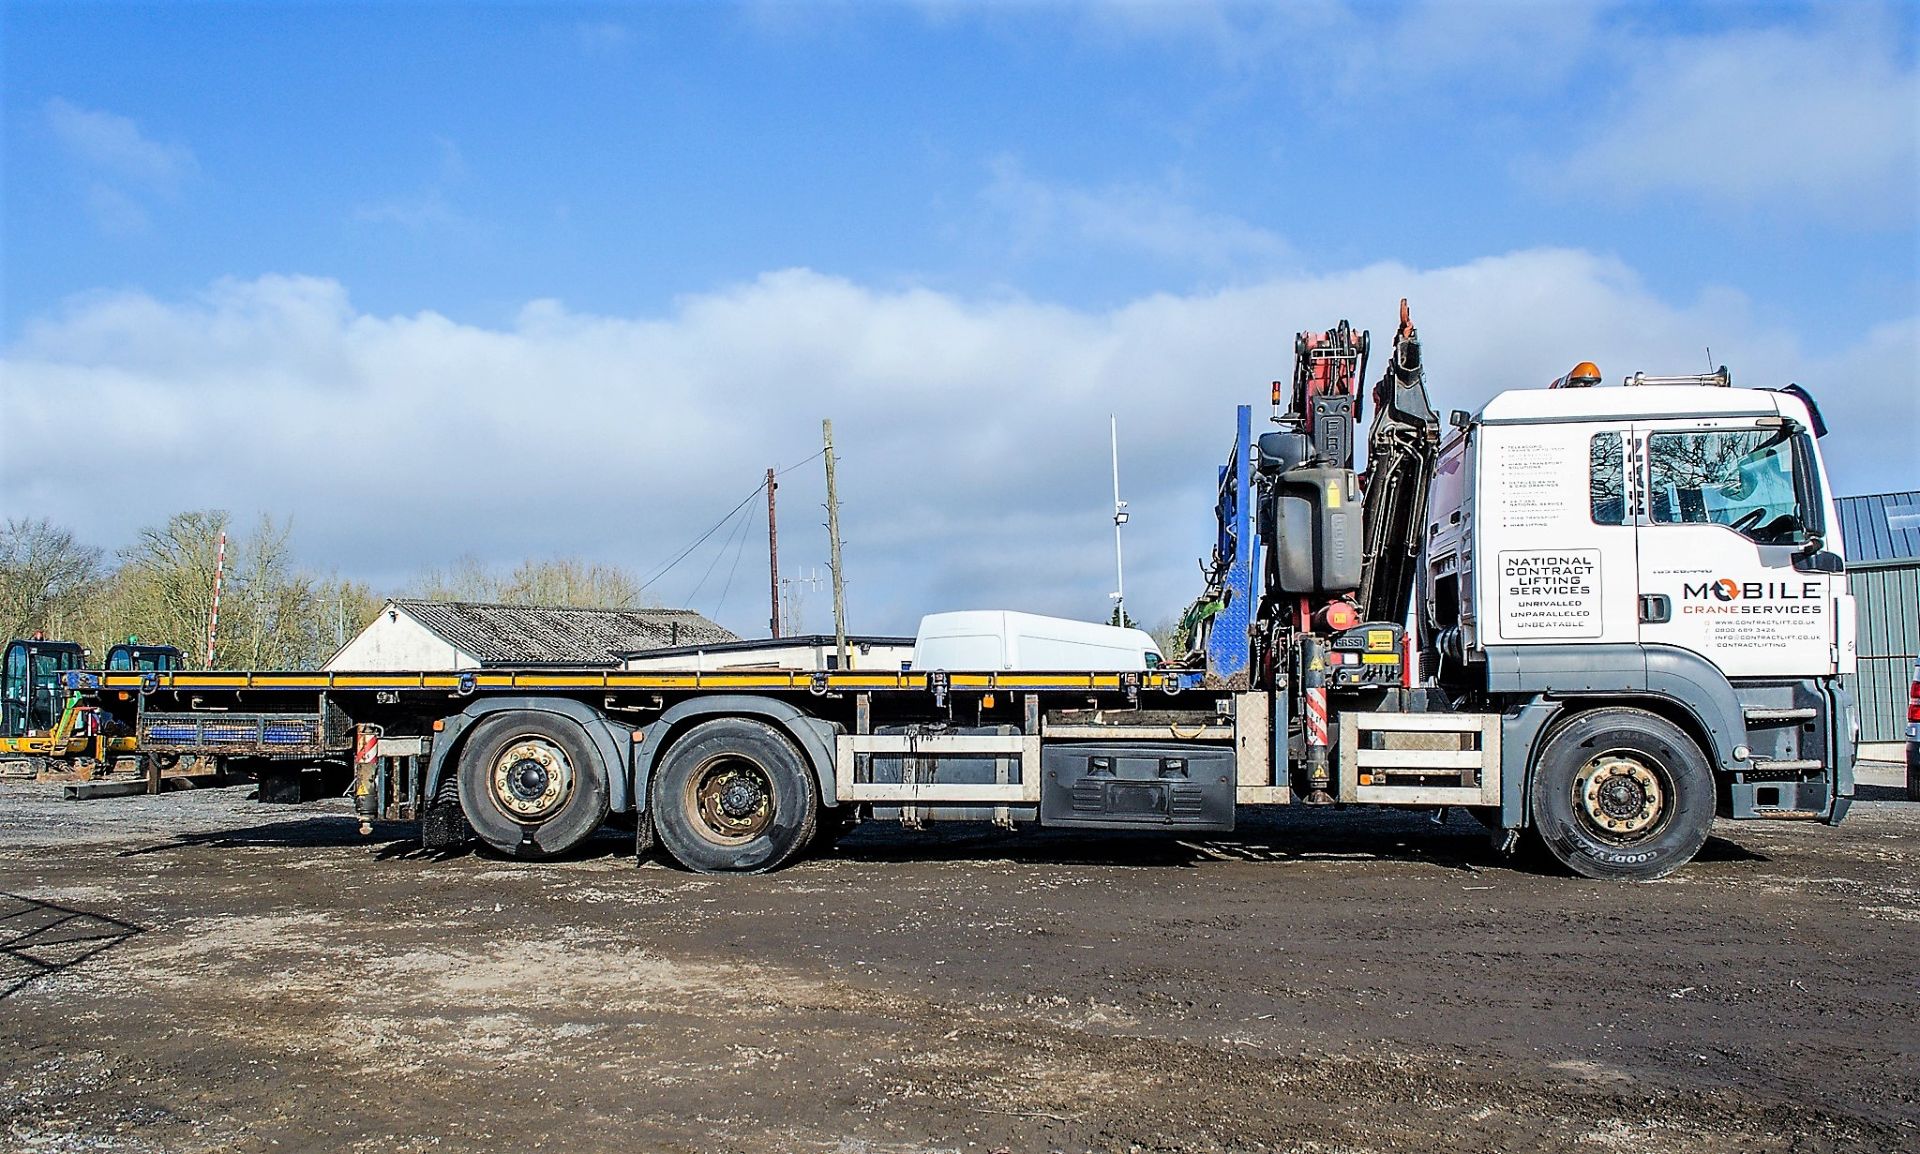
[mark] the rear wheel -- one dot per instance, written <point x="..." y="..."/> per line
<point x="734" y="795"/>
<point x="531" y="784"/>
<point x="1622" y="794"/>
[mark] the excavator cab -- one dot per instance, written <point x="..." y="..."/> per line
<point x="30" y="697"/>
<point x="133" y="657"/>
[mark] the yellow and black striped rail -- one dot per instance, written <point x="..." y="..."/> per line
<point x="611" y="680"/>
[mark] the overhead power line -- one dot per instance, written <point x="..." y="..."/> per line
<point x="716" y="526"/>
<point x="737" y="533"/>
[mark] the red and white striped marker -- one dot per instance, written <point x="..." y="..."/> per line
<point x="1316" y="715"/>
<point x="213" y="618"/>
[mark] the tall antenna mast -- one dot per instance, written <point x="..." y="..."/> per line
<point x="1119" y="519"/>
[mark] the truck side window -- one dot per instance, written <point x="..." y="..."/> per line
<point x="1606" y="480"/>
<point x="1740" y="478"/>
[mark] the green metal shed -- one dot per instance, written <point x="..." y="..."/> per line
<point x="1882" y="536"/>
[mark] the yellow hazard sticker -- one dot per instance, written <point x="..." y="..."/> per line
<point x="1379" y="639"/>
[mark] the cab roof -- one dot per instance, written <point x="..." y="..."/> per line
<point x="1529" y="406"/>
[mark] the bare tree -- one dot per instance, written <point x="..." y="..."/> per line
<point x="273" y="612"/>
<point x="565" y="581"/>
<point x="275" y="606"/>
<point x="464" y="580"/>
<point x="46" y="576"/>
<point x="1166" y="635"/>
<point x="573" y="582"/>
<point x="168" y="575"/>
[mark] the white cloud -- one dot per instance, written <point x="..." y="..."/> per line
<point x="120" y="168"/>
<point x="114" y="146"/>
<point x="1814" y="112"/>
<point x="114" y="212"/>
<point x="602" y="37"/>
<point x="1343" y="51"/>
<point x="973" y="433"/>
<point x="1129" y="218"/>
<point x="1826" y="122"/>
<point x="428" y="210"/>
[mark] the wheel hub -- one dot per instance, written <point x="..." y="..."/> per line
<point x="739" y="798"/>
<point x="1619" y="796"/>
<point x="732" y="799"/>
<point x="528" y="780"/>
<point x="532" y="779"/>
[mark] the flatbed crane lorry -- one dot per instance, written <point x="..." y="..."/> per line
<point x="1593" y="616"/>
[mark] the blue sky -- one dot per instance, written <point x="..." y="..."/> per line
<point x="334" y="212"/>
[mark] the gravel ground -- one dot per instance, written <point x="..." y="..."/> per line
<point x="200" y="972"/>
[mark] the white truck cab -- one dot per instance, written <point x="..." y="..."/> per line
<point x="1673" y="543"/>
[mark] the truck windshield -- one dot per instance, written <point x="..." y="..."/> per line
<point x="1741" y="478"/>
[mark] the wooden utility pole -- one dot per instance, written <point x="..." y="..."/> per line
<point x="833" y="544"/>
<point x="773" y="557"/>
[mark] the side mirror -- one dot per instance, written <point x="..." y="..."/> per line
<point x="1460" y="419"/>
<point x="1820" y="560"/>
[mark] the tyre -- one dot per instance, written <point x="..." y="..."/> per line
<point x="1621" y="794"/>
<point x="734" y="796"/>
<point x="531" y="784"/>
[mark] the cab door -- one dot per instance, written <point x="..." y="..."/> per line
<point x="1727" y="506"/>
<point x="14" y="681"/>
<point x="1556" y="535"/>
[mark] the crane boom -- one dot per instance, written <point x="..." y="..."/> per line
<point x="1401" y="448"/>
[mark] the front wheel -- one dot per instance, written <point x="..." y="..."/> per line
<point x="734" y="796"/>
<point x="1622" y="794"/>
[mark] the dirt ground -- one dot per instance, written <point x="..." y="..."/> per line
<point x="200" y="972"/>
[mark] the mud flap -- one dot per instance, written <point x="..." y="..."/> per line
<point x="444" y="827"/>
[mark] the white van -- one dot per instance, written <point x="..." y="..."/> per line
<point x="984" y="640"/>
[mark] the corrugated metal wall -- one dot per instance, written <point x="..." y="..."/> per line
<point x="1882" y="536"/>
<point x="1889" y="632"/>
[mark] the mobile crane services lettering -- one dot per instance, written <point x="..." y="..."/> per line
<point x="1770" y="598"/>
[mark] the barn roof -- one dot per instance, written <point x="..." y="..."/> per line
<point x="1881" y="528"/>
<point x="543" y="635"/>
